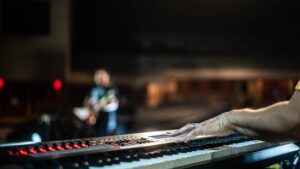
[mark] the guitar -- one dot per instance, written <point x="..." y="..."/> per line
<point x="108" y="102"/>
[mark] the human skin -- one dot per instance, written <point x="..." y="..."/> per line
<point x="277" y="122"/>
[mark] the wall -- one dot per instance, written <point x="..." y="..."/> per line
<point x="38" y="58"/>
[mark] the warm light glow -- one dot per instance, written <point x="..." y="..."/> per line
<point x="153" y="94"/>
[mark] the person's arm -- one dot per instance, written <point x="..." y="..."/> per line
<point x="278" y="122"/>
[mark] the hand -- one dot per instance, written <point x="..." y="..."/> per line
<point x="218" y="125"/>
<point x="91" y="120"/>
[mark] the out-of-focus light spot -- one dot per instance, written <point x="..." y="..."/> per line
<point x="153" y="94"/>
<point x="45" y="119"/>
<point x="35" y="137"/>
<point x="2" y="83"/>
<point x="57" y="84"/>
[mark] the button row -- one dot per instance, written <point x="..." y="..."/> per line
<point x="46" y="148"/>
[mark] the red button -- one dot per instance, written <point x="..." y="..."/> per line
<point x="68" y="147"/>
<point x="76" y="146"/>
<point x="60" y="148"/>
<point x="51" y="149"/>
<point x="84" y="145"/>
<point x="42" y="150"/>
<point x="33" y="151"/>
<point x="23" y="152"/>
<point x="11" y="153"/>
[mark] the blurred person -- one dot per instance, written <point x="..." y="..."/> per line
<point x="103" y="103"/>
<point x="277" y="122"/>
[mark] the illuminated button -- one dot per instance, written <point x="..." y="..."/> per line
<point x="85" y="144"/>
<point x="43" y="150"/>
<point x="23" y="152"/>
<point x="51" y="149"/>
<point x="68" y="146"/>
<point x="33" y="151"/>
<point x="60" y="148"/>
<point x="11" y="153"/>
<point x="76" y="146"/>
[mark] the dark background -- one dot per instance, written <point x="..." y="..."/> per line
<point x="247" y="33"/>
<point x="168" y="58"/>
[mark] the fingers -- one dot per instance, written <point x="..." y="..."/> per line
<point x="182" y="130"/>
<point x="208" y="127"/>
<point x="214" y="126"/>
<point x="187" y="137"/>
<point x="181" y="137"/>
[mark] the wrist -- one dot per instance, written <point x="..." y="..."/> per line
<point x="228" y="120"/>
<point x="225" y="123"/>
<point x="232" y="120"/>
